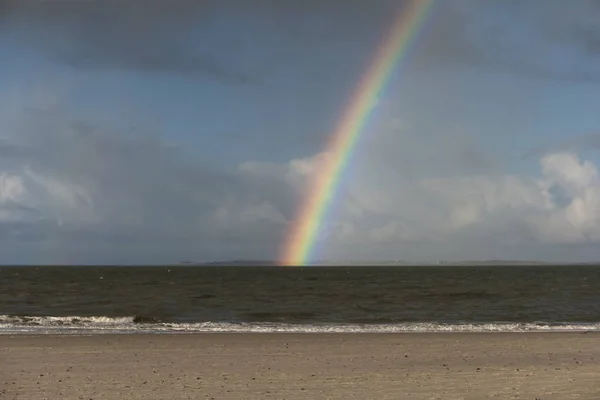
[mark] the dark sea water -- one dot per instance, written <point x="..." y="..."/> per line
<point x="339" y="299"/>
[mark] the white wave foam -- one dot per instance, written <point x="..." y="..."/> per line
<point x="100" y="324"/>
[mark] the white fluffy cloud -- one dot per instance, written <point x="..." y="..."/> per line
<point x="562" y="205"/>
<point x="383" y="211"/>
<point x="75" y="193"/>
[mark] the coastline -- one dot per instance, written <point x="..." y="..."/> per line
<point x="544" y="365"/>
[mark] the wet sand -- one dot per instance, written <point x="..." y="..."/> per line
<point x="302" y="366"/>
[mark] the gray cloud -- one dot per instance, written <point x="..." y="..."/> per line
<point x="87" y="187"/>
<point x="576" y="144"/>
<point x="11" y="150"/>
<point x="152" y="36"/>
<point x="72" y="187"/>
<point x="539" y="38"/>
<point x="86" y="193"/>
<point x="174" y="36"/>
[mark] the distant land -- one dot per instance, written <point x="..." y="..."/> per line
<point x="378" y="263"/>
<point x="240" y="263"/>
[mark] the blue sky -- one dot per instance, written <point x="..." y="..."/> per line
<point x="247" y="96"/>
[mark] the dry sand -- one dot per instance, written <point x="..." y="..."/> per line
<point x="302" y="366"/>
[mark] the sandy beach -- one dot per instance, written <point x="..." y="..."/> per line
<point x="302" y="366"/>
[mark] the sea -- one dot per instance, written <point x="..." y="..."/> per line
<point x="185" y="299"/>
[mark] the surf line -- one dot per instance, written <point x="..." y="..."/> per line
<point x="301" y="239"/>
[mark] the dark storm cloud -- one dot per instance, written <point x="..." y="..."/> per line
<point x="156" y="35"/>
<point x="517" y="36"/>
<point x="172" y="36"/>
<point x="141" y="35"/>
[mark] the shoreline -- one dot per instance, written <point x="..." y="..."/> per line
<point x="154" y="330"/>
<point x="237" y="333"/>
<point x="449" y="365"/>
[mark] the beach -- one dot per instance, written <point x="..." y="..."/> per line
<point x="301" y="366"/>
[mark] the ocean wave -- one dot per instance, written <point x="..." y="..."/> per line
<point x="135" y="324"/>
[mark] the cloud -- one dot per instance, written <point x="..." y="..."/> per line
<point x="412" y="196"/>
<point x="472" y="210"/>
<point x="575" y="144"/>
<point x="75" y="192"/>
<point x="234" y="41"/>
<point x="178" y="37"/>
<point x="85" y="187"/>
<point x="151" y="36"/>
<point x="541" y="38"/>
<point x="544" y="39"/>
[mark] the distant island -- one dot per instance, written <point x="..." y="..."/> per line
<point x="240" y="263"/>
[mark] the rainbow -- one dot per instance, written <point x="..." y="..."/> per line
<point x="300" y="242"/>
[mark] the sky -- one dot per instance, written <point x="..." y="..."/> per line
<point x="153" y="131"/>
